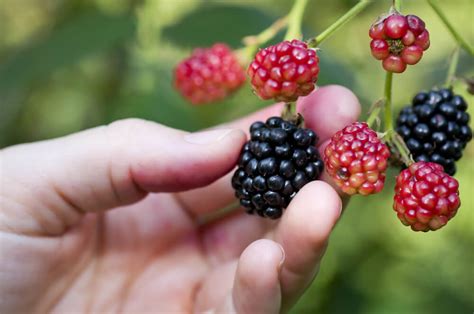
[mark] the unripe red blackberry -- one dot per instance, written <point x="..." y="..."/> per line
<point x="398" y="40"/>
<point x="356" y="159"/>
<point x="426" y="198"/>
<point x="209" y="74"/>
<point x="379" y="48"/>
<point x="396" y="26"/>
<point x="435" y="127"/>
<point x="394" y="64"/>
<point x="284" y="71"/>
<point x="277" y="161"/>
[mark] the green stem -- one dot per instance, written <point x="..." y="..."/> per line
<point x="289" y="114"/>
<point x="295" y="20"/>
<point x="392" y="137"/>
<point x="374" y="114"/>
<point x="401" y="147"/>
<point x="316" y="41"/>
<point x="292" y="107"/>
<point x="253" y="42"/>
<point x="388" y="102"/>
<point x="453" y="64"/>
<point x="464" y="44"/>
<point x="267" y="33"/>
<point x="397" y="5"/>
<point x="289" y="110"/>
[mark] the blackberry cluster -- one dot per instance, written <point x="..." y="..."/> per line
<point x="426" y="198"/>
<point x="356" y="159"/>
<point x="277" y="161"/>
<point x="436" y="128"/>
<point x="284" y="71"/>
<point x="209" y="74"/>
<point x="399" y="40"/>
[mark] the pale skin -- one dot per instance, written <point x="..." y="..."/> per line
<point x="110" y="220"/>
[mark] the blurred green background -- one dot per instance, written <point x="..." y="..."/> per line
<point x="67" y="65"/>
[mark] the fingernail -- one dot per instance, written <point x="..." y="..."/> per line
<point x="283" y="255"/>
<point x="207" y="137"/>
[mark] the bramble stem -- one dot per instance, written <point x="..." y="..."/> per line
<point x="388" y="102"/>
<point x="267" y="33"/>
<point x="374" y="113"/>
<point x="289" y="113"/>
<point x="397" y="5"/>
<point x="392" y="137"/>
<point x="316" y="41"/>
<point x="401" y="147"/>
<point x="289" y="110"/>
<point x="253" y="42"/>
<point x="464" y="44"/>
<point x="295" y="20"/>
<point x="292" y="107"/>
<point x="453" y="64"/>
<point x="373" y="116"/>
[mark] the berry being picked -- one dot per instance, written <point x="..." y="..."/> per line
<point x="399" y="40"/>
<point x="277" y="161"/>
<point x="426" y="197"/>
<point x="284" y="71"/>
<point x="356" y="159"/>
<point x="209" y="74"/>
<point x="435" y="127"/>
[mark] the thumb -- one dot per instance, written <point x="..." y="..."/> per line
<point x="256" y="286"/>
<point x="110" y="166"/>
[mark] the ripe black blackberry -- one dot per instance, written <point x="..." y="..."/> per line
<point x="436" y="127"/>
<point x="277" y="161"/>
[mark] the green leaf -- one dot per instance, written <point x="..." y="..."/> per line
<point x="89" y="33"/>
<point x="332" y="71"/>
<point x="217" y="23"/>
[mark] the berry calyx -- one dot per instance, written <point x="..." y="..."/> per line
<point x="426" y="197"/>
<point x="209" y="74"/>
<point x="278" y="160"/>
<point x="399" y="40"/>
<point x="435" y="127"/>
<point x="356" y="159"/>
<point x="284" y="71"/>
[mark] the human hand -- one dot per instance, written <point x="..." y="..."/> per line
<point x="110" y="219"/>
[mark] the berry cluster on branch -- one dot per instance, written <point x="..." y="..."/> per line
<point x="281" y="157"/>
<point x="277" y="162"/>
<point x="284" y="71"/>
<point x="209" y="74"/>
<point x="399" y="40"/>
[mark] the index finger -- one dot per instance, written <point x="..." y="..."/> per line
<point x="326" y="110"/>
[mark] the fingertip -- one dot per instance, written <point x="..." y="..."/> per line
<point x="180" y="161"/>
<point x="329" y="109"/>
<point x="262" y="258"/>
<point x="307" y="224"/>
<point x="239" y="135"/>
<point x="257" y="285"/>
<point x="328" y="199"/>
<point x="315" y="210"/>
<point x="228" y="147"/>
<point x="303" y="233"/>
